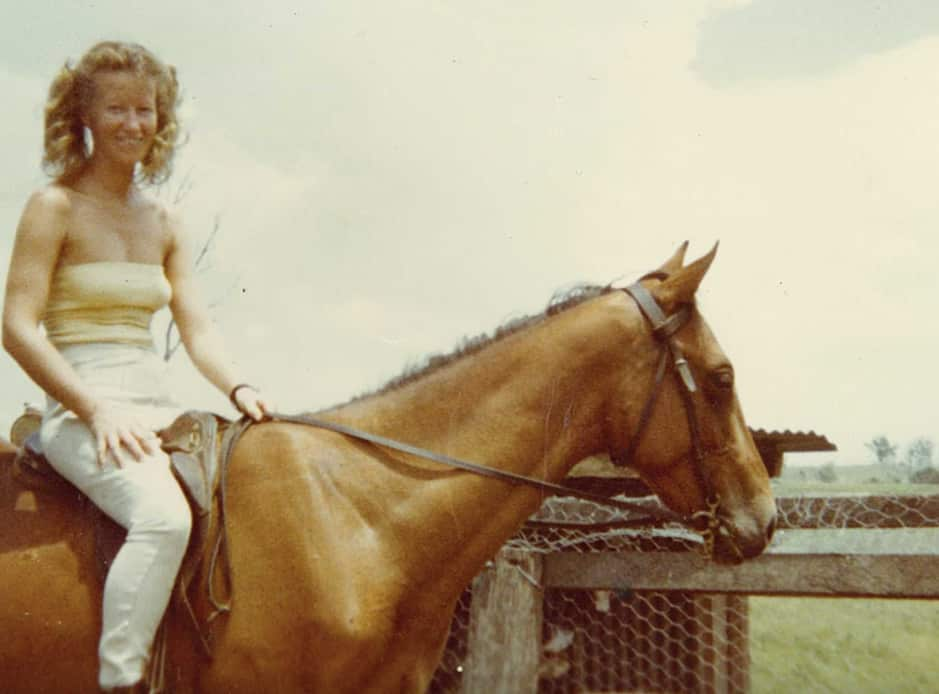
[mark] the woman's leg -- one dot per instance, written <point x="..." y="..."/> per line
<point x="144" y="498"/>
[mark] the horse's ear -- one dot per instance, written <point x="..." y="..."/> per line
<point x="681" y="286"/>
<point x="673" y="264"/>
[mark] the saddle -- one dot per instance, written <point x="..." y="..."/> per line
<point x="199" y="445"/>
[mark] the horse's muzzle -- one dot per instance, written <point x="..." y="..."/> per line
<point x="734" y="542"/>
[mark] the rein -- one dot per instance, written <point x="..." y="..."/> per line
<point x="708" y="522"/>
<point x="653" y="513"/>
<point x="663" y="329"/>
<point x="221" y="604"/>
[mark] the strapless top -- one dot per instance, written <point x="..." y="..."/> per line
<point x="111" y="301"/>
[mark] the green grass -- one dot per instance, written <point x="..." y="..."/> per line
<point x="844" y="645"/>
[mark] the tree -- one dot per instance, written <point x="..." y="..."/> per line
<point x="926" y="475"/>
<point x="883" y="450"/>
<point x="919" y="453"/>
<point x="827" y="473"/>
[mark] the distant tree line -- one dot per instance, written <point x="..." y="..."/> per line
<point x="914" y="465"/>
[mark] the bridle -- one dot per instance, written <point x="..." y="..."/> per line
<point x="708" y="522"/>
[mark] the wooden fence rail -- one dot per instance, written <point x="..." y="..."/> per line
<point x="898" y="563"/>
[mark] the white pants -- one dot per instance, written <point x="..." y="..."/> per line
<point x="143" y="497"/>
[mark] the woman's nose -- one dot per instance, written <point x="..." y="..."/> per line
<point x="130" y="119"/>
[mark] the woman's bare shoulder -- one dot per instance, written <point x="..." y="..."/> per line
<point x="47" y="211"/>
<point x="53" y="198"/>
<point x="170" y="219"/>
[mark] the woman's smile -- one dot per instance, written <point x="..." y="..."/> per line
<point x="122" y="116"/>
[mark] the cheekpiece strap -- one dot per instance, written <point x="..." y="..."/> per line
<point x="664" y="327"/>
<point x="649" y="306"/>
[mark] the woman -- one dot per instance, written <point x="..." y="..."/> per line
<point x="94" y="257"/>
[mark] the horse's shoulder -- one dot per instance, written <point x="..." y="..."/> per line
<point x="275" y="436"/>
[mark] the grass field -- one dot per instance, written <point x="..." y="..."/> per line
<point x="844" y="645"/>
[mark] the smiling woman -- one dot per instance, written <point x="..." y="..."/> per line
<point x="141" y="87"/>
<point x="94" y="257"/>
<point x="122" y="119"/>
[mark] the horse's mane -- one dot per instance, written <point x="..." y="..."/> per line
<point x="469" y="345"/>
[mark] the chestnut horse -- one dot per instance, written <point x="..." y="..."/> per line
<point x="348" y="558"/>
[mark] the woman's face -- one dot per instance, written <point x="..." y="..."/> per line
<point x="122" y="117"/>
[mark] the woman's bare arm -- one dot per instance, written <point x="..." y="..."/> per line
<point x="39" y="238"/>
<point x="200" y="336"/>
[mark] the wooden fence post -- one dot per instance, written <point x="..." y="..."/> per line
<point x="504" y="640"/>
<point x="723" y="643"/>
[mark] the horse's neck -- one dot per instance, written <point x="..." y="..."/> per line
<point x="532" y="403"/>
<point x="529" y="398"/>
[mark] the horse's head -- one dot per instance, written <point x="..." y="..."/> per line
<point x="680" y="423"/>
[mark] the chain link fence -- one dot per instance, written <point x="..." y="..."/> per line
<point x="597" y="640"/>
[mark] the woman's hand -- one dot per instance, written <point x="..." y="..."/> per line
<point x="249" y="401"/>
<point x="114" y="429"/>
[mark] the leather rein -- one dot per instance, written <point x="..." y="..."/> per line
<point x="663" y="330"/>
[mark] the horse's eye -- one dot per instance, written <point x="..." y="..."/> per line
<point x="723" y="378"/>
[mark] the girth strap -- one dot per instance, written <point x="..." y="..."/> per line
<point x="222" y="605"/>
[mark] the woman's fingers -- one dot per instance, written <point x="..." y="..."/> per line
<point x="112" y="444"/>
<point x="102" y="448"/>
<point x="131" y="441"/>
<point x="251" y="403"/>
<point x="254" y="411"/>
<point x="263" y="408"/>
<point x="117" y="432"/>
<point x="151" y="443"/>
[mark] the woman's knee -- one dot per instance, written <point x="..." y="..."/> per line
<point x="167" y="516"/>
<point x="178" y="523"/>
<point x="171" y="534"/>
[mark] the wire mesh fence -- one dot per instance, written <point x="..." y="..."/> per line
<point x="620" y="640"/>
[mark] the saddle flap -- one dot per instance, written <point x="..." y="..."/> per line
<point x="192" y="444"/>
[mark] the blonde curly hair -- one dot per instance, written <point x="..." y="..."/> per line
<point x="71" y="92"/>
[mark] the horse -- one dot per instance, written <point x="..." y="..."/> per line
<point x="347" y="558"/>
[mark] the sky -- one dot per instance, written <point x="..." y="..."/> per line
<point x="390" y="177"/>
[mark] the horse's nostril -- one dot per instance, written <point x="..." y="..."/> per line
<point x="770" y="529"/>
